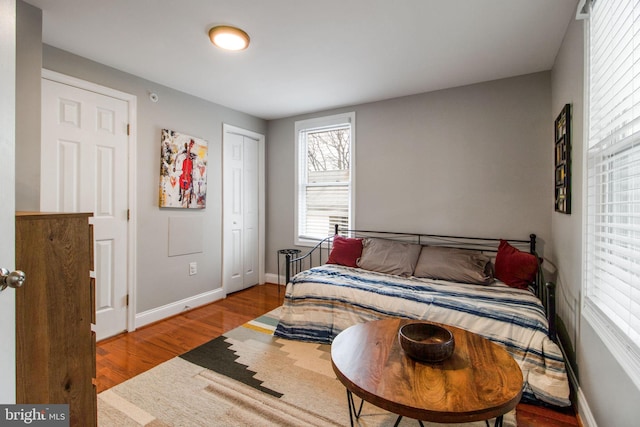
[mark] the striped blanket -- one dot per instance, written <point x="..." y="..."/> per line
<point x="323" y="301"/>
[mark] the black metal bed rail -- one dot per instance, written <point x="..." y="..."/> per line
<point x="545" y="291"/>
<point x="484" y="244"/>
<point x="294" y="266"/>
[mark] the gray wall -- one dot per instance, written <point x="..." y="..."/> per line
<point x="611" y="395"/>
<point x="161" y="280"/>
<point x="28" y="71"/>
<point x="472" y="161"/>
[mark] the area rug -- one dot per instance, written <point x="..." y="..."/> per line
<point x="247" y="377"/>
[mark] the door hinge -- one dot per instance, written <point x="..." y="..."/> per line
<point x="128" y="214"/>
<point x="128" y="129"/>
<point x="127" y="301"/>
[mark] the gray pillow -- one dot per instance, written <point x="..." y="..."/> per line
<point x="456" y="265"/>
<point x="389" y="256"/>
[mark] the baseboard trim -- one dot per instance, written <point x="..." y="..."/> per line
<point x="160" y="313"/>
<point x="585" y="417"/>
<point x="273" y="278"/>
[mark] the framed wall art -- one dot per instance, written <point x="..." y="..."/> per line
<point x="562" y="132"/>
<point x="183" y="171"/>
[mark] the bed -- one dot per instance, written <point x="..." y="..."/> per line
<point x="444" y="279"/>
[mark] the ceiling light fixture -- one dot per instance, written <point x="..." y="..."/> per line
<point x="229" y="38"/>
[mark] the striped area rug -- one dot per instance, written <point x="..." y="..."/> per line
<point x="246" y="377"/>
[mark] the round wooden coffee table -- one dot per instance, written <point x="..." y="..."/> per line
<point x="478" y="382"/>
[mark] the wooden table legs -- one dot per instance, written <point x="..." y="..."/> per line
<point x="353" y="413"/>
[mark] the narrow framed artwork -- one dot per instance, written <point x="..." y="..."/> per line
<point x="183" y="171"/>
<point x="562" y="132"/>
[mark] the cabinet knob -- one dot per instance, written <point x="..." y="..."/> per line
<point x="15" y="279"/>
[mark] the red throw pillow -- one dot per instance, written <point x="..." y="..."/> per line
<point x="515" y="268"/>
<point x="345" y="251"/>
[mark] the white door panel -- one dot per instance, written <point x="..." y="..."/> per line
<point x="250" y="267"/>
<point x="235" y="272"/>
<point x="104" y="273"/>
<point x="85" y="169"/>
<point x="7" y="197"/>
<point x="233" y="206"/>
<point x="67" y="170"/>
<point x="241" y="249"/>
<point x="250" y="195"/>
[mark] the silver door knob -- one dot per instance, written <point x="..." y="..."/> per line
<point x="15" y="279"/>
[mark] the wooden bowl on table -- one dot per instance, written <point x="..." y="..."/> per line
<point x="426" y="342"/>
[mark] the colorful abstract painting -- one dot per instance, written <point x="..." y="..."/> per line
<point x="183" y="171"/>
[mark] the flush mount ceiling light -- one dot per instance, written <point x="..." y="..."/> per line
<point x="229" y="38"/>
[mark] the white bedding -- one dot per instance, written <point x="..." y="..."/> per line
<point x="323" y="301"/>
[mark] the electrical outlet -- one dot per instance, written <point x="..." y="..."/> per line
<point x="193" y="268"/>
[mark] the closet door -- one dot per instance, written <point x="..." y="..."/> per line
<point x="241" y="211"/>
<point x="250" y="212"/>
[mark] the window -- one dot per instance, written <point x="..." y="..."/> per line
<point x="611" y="302"/>
<point x="324" y="194"/>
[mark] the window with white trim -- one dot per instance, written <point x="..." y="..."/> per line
<point x="611" y="302"/>
<point x="324" y="176"/>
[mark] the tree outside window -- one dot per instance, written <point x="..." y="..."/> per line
<point x="324" y="180"/>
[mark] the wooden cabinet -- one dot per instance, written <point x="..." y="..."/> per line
<point x="55" y="346"/>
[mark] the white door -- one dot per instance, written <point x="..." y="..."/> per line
<point x="84" y="168"/>
<point x="250" y="253"/>
<point x="7" y="197"/>
<point x="241" y="167"/>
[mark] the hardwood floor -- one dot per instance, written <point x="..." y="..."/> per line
<point x="127" y="355"/>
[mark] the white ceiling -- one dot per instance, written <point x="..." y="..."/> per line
<point x="311" y="55"/>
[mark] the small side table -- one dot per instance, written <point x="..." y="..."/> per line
<point x="294" y="253"/>
<point x="478" y="382"/>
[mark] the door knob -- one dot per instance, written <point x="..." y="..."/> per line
<point x="15" y="279"/>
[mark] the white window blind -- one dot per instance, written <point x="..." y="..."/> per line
<point x="612" y="247"/>
<point x="324" y="176"/>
